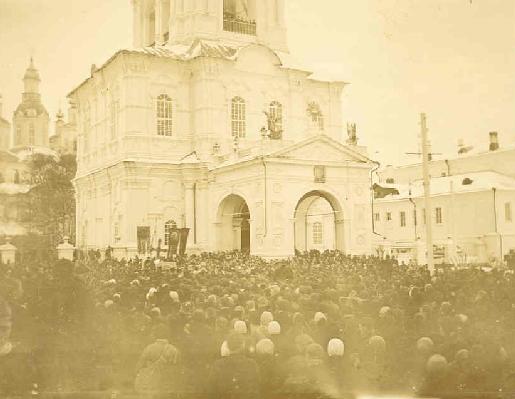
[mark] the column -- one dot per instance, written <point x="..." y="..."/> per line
<point x="137" y="31"/>
<point x="158" y="21"/>
<point x="202" y="214"/>
<point x="189" y="211"/>
<point x="280" y="13"/>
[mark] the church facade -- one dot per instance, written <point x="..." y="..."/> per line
<point x="208" y="123"/>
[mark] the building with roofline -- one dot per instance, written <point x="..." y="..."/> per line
<point x="208" y="123"/>
<point x="472" y="196"/>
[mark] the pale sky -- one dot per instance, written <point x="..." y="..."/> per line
<point x="452" y="59"/>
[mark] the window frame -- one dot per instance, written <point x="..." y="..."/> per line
<point x="318" y="233"/>
<point x="164" y="115"/>
<point x="438" y="215"/>
<point x="238" y="117"/>
<point x="402" y="217"/>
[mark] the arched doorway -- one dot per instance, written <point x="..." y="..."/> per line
<point x="233" y="224"/>
<point x="318" y="222"/>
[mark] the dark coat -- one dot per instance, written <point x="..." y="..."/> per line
<point x="233" y="377"/>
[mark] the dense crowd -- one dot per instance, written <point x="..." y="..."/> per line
<point x="230" y="325"/>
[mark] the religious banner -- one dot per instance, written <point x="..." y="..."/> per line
<point x="143" y="236"/>
<point x="183" y="240"/>
<point x="173" y="242"/>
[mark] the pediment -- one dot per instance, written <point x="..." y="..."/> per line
<point x="321" y="149"/>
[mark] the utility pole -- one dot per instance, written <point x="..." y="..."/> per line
<point x="427" y="195"/>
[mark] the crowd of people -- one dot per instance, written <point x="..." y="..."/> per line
<point x="229" y="325"/>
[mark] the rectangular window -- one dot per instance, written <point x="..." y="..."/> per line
<point x="238" y="117"/>
<point x="317" y="233"/>
<point x="438" y="214"/>
<point x="507" y="212"/>
<point x="414" y="217"/>
<point x="377" y="217"/>
<point x="164" y="115"/>
<point x="403" y="219"/>
<point x="388" y="216"/>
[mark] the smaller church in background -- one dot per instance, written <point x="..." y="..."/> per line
<point x="29" y="134"/>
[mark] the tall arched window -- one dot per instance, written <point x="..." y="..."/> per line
<point x="238" y="118"/>
<point x="276" y="116"/>
<point x="318" y="233"/>
<point x="32" y="134"/>
<point x="315" y="115"/>
<point x="164" y="115"/>
<point x="169" y="226"/>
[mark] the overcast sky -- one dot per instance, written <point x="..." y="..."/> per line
<point x="453" y="59"/>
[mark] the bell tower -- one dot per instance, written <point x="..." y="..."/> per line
<point x="231" y="22"/>
<point x="30" y="119"/>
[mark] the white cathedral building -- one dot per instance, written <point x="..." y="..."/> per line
<point x="208" y="123"/>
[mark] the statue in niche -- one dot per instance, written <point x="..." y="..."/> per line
<point x="274" y="130"/>
<point x="352" y="138"/>
<point x="238" y="9"/>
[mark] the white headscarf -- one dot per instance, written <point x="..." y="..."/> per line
<point x="335" y="347"/>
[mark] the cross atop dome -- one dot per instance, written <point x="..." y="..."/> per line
<point x="232" y="22"/>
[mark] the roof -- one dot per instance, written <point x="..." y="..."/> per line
<point x="479" y="181"/>
<point x="23" y="153"/>
<point x="283" y="152"/>
<point x="208" y="48"/>
<point x="31" y="104"/>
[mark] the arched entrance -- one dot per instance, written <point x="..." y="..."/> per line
<point x="233" y="224"/>
<point x="318" y="222"/>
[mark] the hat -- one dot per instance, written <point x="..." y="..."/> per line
<point x="235" y="343"/>
<point x="335" y="347"/>
<point x="274" y="328"/>
<point x="377" y="343"/>
<point x="384" y="311"/>
<point x="108" y="303"/>
<point x="240" y="327"/>
<point x="425" y="345"/>
<point x="436" y="364"/>
<point x="319" y="316"/>
<point x="266" y="318"/>
<point x="174" y="295"/>
<point x="265" y="347"/>
<point x="302" y="341"/>
<point x="315" y="351"/>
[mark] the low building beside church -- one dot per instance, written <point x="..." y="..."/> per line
<point x="208" y="123"/>
<point x="472" y="201"/>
